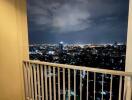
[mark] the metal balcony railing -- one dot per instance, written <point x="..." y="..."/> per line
<point x="51" y="81"/>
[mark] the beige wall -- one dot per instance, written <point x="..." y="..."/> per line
<point x="13" y="48"/>
<point x="129" y="41"/>
<point x="128" y="84"/>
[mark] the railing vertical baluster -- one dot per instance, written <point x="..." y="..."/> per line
<point x="38" y="82"/>
<point x="58" y="83"/>
<point x="74" y="84"/>
<point x="54" y="81"/>
<point x="31" y="74"/>
<point x="102" y="86"/>
<point x="42" y="82"/>
<point x="125" y="88"/>
<point x="50" y="90"/>
<point x="130" y="87"/>
<point x="26" y="80"/>
<point x="69" y="87"/>
<point x="35" y="85"/>
<point x="120" y="88"/>
<point x="29" y="80"/>
<point x="87" y="85"/>
<point x="46" y="91"/>
<point x="111" y="83"/>
<point x="63" y="84"/>
<point x="80" y="85"/>
<point x="94" y="85"/>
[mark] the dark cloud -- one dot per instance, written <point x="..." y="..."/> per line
<point x="84" y="21"/>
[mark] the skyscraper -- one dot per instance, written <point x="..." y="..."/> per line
<point x="61" y="45"/>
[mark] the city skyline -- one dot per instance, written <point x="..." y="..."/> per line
<point x="77" y="21"/>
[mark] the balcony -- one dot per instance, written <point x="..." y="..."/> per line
<point x="50" y="81"/>
<point x="14" y="48"/>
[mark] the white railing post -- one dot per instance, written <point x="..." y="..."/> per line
<point x="131" y="87"/>
<point x="54" y="82"/>
<point x="69" y="85"/>
<point x="38" y="83"/>
<point x="25" y="80"/>
<point x="74" y="84"/>
<point x="58" y="83"/>
<point x="50" y="87"/>
<point x="102" y="86"/>
<point x="80" y="85"/>
<point x="42" y="82"/>
<point x="128" y="89"/>
<point x="120" y="88"/>
<point x="111" y="84"/>
<point x="87" y="85"/>
<point x="35" y="82"/>
<point x="46" y="86"/>
<point x="31" y="73"/>
<point x="64" y="84"/>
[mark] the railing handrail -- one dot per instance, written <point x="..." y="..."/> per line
<point x="83" y="68"/>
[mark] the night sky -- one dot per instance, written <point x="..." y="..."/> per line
<point x="77" y="21"/>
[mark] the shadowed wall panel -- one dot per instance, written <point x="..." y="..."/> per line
<point x="13" y="48"/>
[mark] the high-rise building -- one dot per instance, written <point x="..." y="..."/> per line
<point x="61" y="46"/>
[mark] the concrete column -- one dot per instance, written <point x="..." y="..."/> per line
<point x="128" y="84"/>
